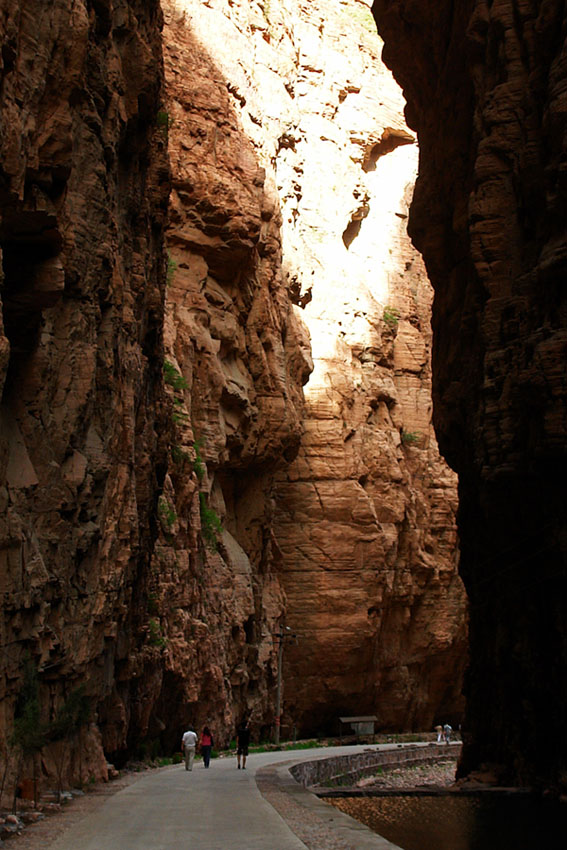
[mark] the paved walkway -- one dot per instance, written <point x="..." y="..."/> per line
<point x="222" y="809"/>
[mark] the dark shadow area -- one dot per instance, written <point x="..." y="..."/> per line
<point x="33" y="282"/>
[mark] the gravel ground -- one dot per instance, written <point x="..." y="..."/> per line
<point x="303" y="821"/>
<point x="41" y="835"/>
<point x="439" y="775"/>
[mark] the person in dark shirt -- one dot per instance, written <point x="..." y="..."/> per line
<point x="242" y="741"/>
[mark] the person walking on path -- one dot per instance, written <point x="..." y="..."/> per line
<point x="447" y="733"/>
<point x="188" y="744"/>
<point x="242" y="741"/>
<point x="206" y="745"/>
<point x="439" y="730"/>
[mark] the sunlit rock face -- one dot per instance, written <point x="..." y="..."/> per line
<point x="239" y="358"/>
<point x="160" y="519"/>
<point x="292" y="173"/>
<point x="485" y="85"/>
<point x="83" y="197"/>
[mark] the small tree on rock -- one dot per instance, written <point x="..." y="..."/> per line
<point x="29" y="734"/>
<point x="69" y="720"/>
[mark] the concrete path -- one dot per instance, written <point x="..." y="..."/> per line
<point x="216" y="809"/>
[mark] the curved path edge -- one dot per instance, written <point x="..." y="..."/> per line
<point x="319" y="825"/>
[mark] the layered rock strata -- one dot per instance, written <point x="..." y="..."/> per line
<point x="157" y="490"/>
<point x="485" y="87"/>
<point x="83" y="198"/>
<point x="287" y="155"/>
<point x="237" y="360"/>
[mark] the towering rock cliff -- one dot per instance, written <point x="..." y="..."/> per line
<point x="292" y="171"/>
<point x="237" y="359"/>
<point x="83" y="199"/>
<point x="485" y="85"/>
<point x="170" y="494"/>
<point x="154" y="535"/>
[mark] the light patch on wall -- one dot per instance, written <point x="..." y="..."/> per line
<point x="357" y="282"/>
<point x="377" y="249"/>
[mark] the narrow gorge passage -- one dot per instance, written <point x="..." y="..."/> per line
<point x="289" y="138"/>
<point x="219" y="380"/>
<point x="216" y="412"/>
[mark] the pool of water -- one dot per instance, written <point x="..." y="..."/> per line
<point x="462" y="823"/>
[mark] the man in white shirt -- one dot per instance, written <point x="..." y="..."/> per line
<point x="188" y="744"/>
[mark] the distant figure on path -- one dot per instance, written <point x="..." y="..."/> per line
<point x="439" y="730"/>
<point x="188" y="744"/>
<point x="447" y="733"/>
<point x="206" y="745"/>
<point x="242" y="741"/>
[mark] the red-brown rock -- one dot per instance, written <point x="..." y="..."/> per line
<point x="361" y="521"/>
<point x="485" y="84"/>
<point x="83" y="196"/>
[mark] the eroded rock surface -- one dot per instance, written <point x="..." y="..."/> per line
<point x="485" y="84"/>
<point x="238" y="359"/>
<point x="83" y="197"/>
<point x="164" y="474"/>
<point x="293" y="168"/>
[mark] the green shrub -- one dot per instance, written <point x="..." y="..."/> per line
<point x="74" y="713"/>
<point x="211" y="525"/>
<point x="171" y="269"/>
<point x="391" y="316"/>
<point x="164" y="122"/>
<point x="166" y="512"/>
<point x="198" y="463"/>
<point x="155" y="636"/>
<point x="172" y="377"/>
<point x="303" y="745"/>
<point x="364" y="18"/>
<point x="179" y="455"/>
<point x="29" y="734"/>
<point x="265" y="748"/>
<point x="410" y="438"/>
<point x="178" y="417"/>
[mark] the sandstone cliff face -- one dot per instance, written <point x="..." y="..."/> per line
<point x="237" y="359"/>
<point x="485" y="88"/>
<point x="288" y="154"/>
<point x="170" y="496"/>
<point x="83" y="196"/>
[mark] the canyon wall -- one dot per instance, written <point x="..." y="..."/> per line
<point x="83" y="437"/>
<point x="292" y="172"/>
<point x="485" y="84"/>
<point x="237" y="359"/>
<point x="160" y="517"/>
<point x="175" y="486"/>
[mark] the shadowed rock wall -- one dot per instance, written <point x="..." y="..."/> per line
<point x="83" y="197"/>
<point x="485" y="89"/>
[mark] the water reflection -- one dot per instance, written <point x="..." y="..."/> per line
<point x="462" y="823"/>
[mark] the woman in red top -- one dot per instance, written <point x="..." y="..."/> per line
<point x="206" y="745"/>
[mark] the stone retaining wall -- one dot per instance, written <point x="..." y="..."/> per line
<point x="348" y="769"/>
